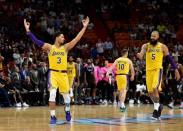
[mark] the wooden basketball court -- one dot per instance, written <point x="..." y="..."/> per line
<point x="91" y="118"/>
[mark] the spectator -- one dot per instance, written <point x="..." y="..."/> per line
<point x="1" y="62"/>
<point x="100" y="47"/>
<point x="4" y="91"/>
<point x="34" y="76"/>
<point x="17" y="58"/>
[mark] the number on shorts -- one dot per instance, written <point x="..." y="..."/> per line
<point x="121" y="66"/>
<point x="58" y="60"/>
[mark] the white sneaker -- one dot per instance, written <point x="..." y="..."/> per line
<point x="25" y="104"/>
<point x="104" y="102"/>
<point x="181" y="106"/>
<point x="171" y="105"/>
<point x="18" y="104"/>
<point x="115" y="103"/>
<point x="138" y="101"/>
<point x="110" y="102"/>
<point x="131" y="101"/>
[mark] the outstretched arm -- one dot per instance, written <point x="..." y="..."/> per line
<point x="40" y="43"/>
<point x="71" y="44"/>
<point x="169" y="58"/>
<point x="142" y="52"/>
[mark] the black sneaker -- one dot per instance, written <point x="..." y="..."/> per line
<point x="160" y="110"/>
<point x="155" y="115"/>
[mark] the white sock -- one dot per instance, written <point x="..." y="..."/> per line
<point x="122" y="104"/>
<point x="52" y="112"/>
<point x="67" y="107"/>
<point x="171" y="103"/>
<point x="71" y="92"/>
<point x="156" y="106"/>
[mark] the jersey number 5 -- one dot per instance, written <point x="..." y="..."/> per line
<point x="58" y="60"/>
<point x="153" y="57"/>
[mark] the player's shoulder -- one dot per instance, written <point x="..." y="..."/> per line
<point x="145" y="45"/>
<point x="118" y="59"/>
<point x="129" y="60"/>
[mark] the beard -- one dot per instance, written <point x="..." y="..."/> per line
<point x="153" y="42"/>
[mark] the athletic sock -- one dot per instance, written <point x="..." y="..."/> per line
<point x="122" y="104"/>
<point x="156" y="106"/>
<point x="52" y="112"/>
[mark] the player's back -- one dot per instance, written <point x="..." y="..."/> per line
<point x="123" y="65"/>
<point x="57" y="58"/>
<point x="154" y="56"/>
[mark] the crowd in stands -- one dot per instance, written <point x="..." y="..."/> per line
<point x="23" y="76"/>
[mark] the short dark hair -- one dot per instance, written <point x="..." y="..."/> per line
<point x="124" y="51"/>
<point x="58" y="33"/>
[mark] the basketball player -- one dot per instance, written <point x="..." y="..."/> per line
<point x="123" y="66"/>
<point x="71" y="71"/>
<point x="173" y="84"/>
<point x="155" y="51"/>
<point x="57" y="56"/>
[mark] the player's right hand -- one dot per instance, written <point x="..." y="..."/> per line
<point x="26" y="25"/>
<point x="138" y="56"/>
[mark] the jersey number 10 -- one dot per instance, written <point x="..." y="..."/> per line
<point x="121" y="66"/>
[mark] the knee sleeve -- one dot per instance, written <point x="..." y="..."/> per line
<point x="67" y="98"/>
<point x="52" y="95"/>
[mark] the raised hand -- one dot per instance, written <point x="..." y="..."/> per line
<point x="26" y="25"/>
<point x="86" y="21"/>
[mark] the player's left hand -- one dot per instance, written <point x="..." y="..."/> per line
<point x="177" y="75"/>
<point x="131" y="78"/>
<point x="86" y="21"/>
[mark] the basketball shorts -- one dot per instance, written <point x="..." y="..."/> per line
<point x="71" y="81"/>
<point x="153" y="79"/>
<point x="122" y="82"/>
<point x="59" y="81"/>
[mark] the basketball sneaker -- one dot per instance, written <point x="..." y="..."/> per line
<point x="18" y="104"/>
<point x="170" y="105"/>
<point x="181" y="106"/>
<point x="53" y="120"/>
<point x="68" y="116"/>
<point x="155" y="115"/>
<point x="122" y="109"/>
<point x="25" y="105"/>
<point x="160" y="110"/>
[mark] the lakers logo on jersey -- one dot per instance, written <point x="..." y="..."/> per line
<point x="58" y="53"/>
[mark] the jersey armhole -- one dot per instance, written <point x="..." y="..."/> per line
<point x="49" y="53"/>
